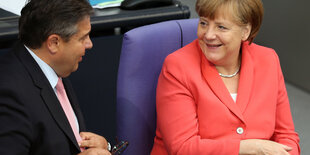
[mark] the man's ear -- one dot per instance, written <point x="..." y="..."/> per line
<point x="246" y="32"/>
<point x="52" y="43"/>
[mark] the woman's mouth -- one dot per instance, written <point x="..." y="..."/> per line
<point x="213" y="45"/>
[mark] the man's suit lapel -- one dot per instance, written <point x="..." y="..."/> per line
<point x="59" y="115"/>
<point x="74" y="103"/>
<point x="47" y="92"/>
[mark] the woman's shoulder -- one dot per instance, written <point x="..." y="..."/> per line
<point x="261" y="54"/>
<point x="258" y="50"/>
<point x="184" y="60"/>
<point x="185" y="55"/>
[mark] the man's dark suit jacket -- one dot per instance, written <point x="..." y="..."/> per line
<point x="32" y="121"/>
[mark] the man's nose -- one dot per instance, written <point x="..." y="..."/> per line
<point x="88" y="44"/>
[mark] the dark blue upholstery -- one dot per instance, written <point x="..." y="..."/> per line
<point x="143" y="52"/>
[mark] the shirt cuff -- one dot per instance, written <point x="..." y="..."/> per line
<point x="109" y="147"/>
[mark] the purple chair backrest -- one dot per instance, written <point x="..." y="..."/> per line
<point x="143" y="52"/>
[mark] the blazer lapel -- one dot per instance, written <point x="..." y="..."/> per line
<point x="74" y="103"/>
<point x="59" y="115"/>
<point x="217" y="86"/>
<point x="246" y="78"/>
<point x="47" y="92"/>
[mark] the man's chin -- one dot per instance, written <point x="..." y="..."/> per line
<point x="66" y="74"/>
<point x="75" y="68"/>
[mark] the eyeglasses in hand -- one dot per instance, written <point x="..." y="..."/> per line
<point x="119" y="147"/>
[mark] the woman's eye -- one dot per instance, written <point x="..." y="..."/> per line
<point x="222" y="27"/>
<point x="203" y="23"/>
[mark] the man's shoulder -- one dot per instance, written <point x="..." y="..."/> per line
<point x="12" y="70"/>
<point x="9" y="62"/>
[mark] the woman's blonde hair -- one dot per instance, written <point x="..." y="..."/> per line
<point x="243" y="11"/>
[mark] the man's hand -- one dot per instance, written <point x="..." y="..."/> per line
<point x="91" y="140"/>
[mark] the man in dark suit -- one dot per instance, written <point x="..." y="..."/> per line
<point x="54" y="35"/>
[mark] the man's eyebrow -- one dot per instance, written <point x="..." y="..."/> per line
<point x="85" y="35"/>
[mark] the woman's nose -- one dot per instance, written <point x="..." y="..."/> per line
<point x="210" y="33"/>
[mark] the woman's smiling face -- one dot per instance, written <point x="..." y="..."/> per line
<point x="220" y="38"/>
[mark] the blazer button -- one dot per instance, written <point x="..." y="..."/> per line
<point x="240" y="130"/>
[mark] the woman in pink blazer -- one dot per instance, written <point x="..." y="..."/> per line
<point x="223" y="94"/>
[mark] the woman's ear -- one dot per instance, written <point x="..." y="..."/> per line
<point x="52" y="43"/>
<point x="246" y="32"/>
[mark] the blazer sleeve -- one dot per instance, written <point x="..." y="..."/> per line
<point x="284" y="129"/>
<point x="177" y="117"/>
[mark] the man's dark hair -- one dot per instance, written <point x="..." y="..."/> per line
<point x="41" y="18"/>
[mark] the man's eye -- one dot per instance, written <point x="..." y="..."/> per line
<point x="83" y="38"/>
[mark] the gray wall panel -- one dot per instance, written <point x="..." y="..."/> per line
<point x="286" y="28"/>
